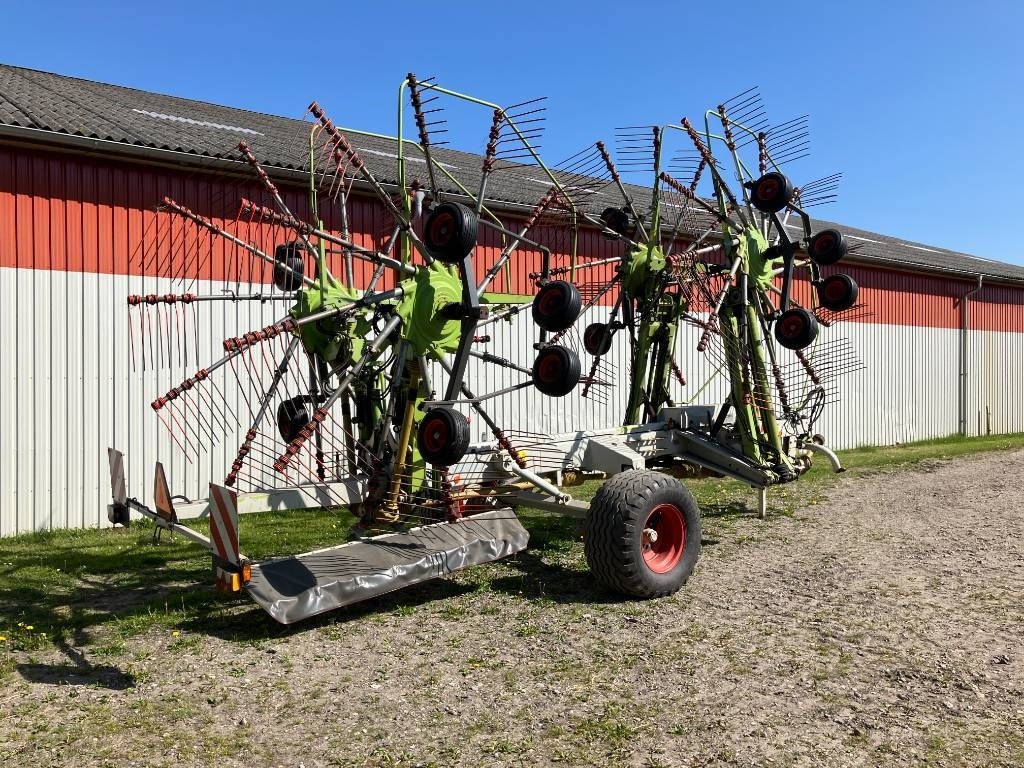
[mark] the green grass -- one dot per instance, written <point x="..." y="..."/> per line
<point x="892" y="457"/>
<point x="95" y="588"/>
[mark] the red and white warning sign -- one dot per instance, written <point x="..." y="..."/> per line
<point x="224" y="523"/>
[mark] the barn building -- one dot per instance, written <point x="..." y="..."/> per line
<point x="83" y="165"/>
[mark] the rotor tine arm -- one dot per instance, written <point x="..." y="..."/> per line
<point x="706" y="155"/>
<point x="205" y="223"/>
<point x="234" y="347"/>
<point x="691" y="195"/>
<point x="243" y="147"/>
<point x="421" y="125"/>
<point x="607" y="158"/>
<point x="305" y="229"/>
<point x="243" y="451"/>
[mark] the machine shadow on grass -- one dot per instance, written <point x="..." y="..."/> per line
<point x="83" y="594"/>
<point x="79" y="672"/>
<point x="82" y="598"/>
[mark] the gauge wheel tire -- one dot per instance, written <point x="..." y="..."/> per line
<point x="288" y="267"/>
<point x="796" y="328"/>
<point x="443" y="437"/>
<point x="616" y="219"/>
<point x="292" y="416"/>
<point x="622" y="554"/>
<point x="557" y="305"/>
<point x="771" y="193"/>
<point x="838" y="292"/>
<point x="450" y="232"/>
<point x="827" y="247"/>
<point x="597" y="339"/>
<point x="556" y="371"/>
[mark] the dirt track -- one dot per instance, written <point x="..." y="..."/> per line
<point x="884" y="626"/>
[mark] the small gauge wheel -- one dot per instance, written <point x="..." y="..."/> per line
<point x="616" y="219"/>
<point x="292" y="416"/>
<point x="556" y="371"/>
<point x="597" y="339"/>
<point x="443" y="437"/>
<point x="796" y="328"/>
<point x="838" y="292"/>
<point x="557" y="305"/>
<point x="827" y="247"/>
<point x="288" y="267"/>
<point x="771" y="193"/>
<point x="450" y="232"/>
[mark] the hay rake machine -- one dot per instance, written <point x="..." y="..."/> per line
<point x="363" y="393"/>
<point x="726" y="263"/>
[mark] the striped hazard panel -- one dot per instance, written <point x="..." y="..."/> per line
<point x="231" y="568"/>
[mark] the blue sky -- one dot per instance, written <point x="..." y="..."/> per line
<point x="919" y="104"/>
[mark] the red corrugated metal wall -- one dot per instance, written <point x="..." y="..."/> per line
<point x="70" y="213"/>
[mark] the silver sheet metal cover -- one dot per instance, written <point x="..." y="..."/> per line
<point x="294" y="588"/>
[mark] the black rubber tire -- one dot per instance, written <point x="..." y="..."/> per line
<point x="556" y="371"/>
<point x="771" y="193"/>
<point x="796" y="328"/>
<point x="827" y="247"/>
<point x="557" y="305"/>
<point x="288" y="266"/>
<point x="838" y="292"/>
<point x="292" y="416"/>
<point x="597" y="339"/>
<point x="616" y="219"/>
<point x="443" y="436"/>
<point x="450" y="232"/>
<point x="613" y="533"/>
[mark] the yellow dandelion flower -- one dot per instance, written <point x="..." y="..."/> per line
<point x="175" y="633"/>
<point x="3" y="639"/>
<point x="29" y="628"/>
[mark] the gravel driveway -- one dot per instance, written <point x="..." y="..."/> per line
<point x="882" y="625"/>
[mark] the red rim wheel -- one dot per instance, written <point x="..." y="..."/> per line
<point x="443" y="437"/>
<point x="827" y="247"/>
<point x="642" y="534"/>
<point x="436" y="435"/>
<point x="796" y="328"/>
<point x="450" y="232"/>
<point x="838" y="292"/>
<point x="556" y="371"/>
<point x="771" y="193"/>
<point x="557" y="305"/>
<point x="664" y="538"/>
<point x="441" y="228"/>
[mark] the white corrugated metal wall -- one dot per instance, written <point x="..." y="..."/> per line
<point x="66" y="394"/>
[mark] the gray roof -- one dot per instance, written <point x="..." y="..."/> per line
<point x="50" y="107"/>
